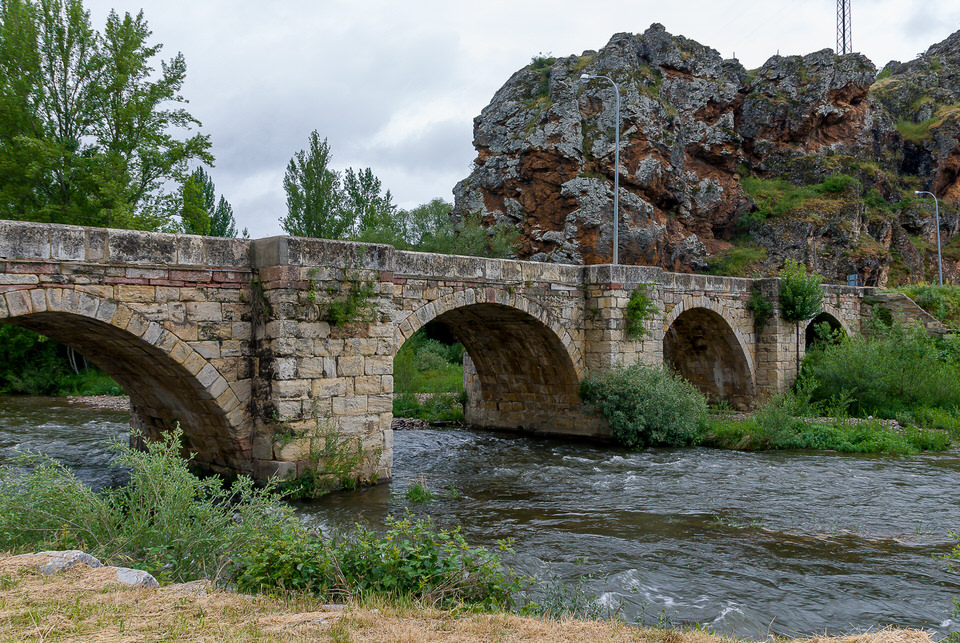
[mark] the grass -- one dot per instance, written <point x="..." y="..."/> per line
<point x="428" y="380"/>
<point x="842" y="435"/>
<point x="943" y="302"/>
<point x="418" y="492"/>
<point x="738" y="261"/>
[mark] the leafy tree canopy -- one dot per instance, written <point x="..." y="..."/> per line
<point x="322" y="203"/>
<point x="90" y="131"/>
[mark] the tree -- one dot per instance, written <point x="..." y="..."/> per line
<point x="222" y="223"/>
<point x="373" y="213"/>
<point x="193" y="215"/>
<point x="313" y="194"/>
<point x="219" y="215"/>
<point x="86" y="123"/>
<point x="433" y="229"/>
<point x="801" y="297"/>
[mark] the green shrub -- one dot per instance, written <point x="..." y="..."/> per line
<point x="424" y="365"/>
<point x="437" y="407"/>
<point x="801" y="295"/>
<point x="943" y="302"/>
<point x="837" y="184"/>
<point x="738" y="261"/>
<point x="165" y="520"/>
<point x="640" y="307"/>
<point x="841" y="435"/>
<point x="32" y="364"/>
<point x="412" y="560"/>
<point x="896" y="370"/>
<point x="418" y="492"/>
<point x="646" y="405"/>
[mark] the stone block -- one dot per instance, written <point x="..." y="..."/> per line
<point x="207" y="350"/>
<point x="204" y="311"/>
<point x="368" y="385"/>
<point x="190" y="250"/>
<point x="136" y="293"/>
<point x="378" y="365"/>
<point x="291" y="388"/>
<point x="353" y="405"/>
<point x="24" y="240"/>
<point x="296" y="449"/>
<point x="350" y="366"/>
<point x="132" y="246"/>
<point x="332" y="386"/>
<point x="380" y="404"/>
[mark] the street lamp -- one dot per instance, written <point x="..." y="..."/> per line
<point x="616" y="169"/>
<point x="936" y="205"/>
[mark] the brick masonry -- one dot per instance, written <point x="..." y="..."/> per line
<point x="236" y="339"/>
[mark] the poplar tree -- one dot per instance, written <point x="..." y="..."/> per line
<point x="314" y="200"/>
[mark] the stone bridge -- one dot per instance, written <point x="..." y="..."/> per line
<point x="270" y="352"/>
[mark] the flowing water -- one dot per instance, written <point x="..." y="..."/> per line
<point x="743" y="543"/>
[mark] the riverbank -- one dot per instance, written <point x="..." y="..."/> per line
<point x="103" y="402"/>
<point x="84" y="604"/>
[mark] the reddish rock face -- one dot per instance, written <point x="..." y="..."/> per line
<point x="692" y="127"/>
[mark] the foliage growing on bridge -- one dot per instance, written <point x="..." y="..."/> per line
<point x="640" y="308"/>
<point x="349" y="303"/>
<point x="335" y="461"/>
<point x="761" y="309"/>
<point x="646" y="405"/>
<point x="801" y="295"/>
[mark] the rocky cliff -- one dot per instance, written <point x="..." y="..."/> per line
<point x="724" y="169"/>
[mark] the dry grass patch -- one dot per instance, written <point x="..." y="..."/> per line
<point x="87" y="605"/>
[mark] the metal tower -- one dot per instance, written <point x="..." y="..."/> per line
<point x="844" y="28"/>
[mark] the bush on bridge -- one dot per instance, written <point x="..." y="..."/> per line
<point x="646" y="405"/>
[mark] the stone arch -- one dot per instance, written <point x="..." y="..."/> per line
<point x="167" y="380"/>
<point x="702" y="342"/>
<point x="524" y="368"/>
<point x="830" y="315"/>
<point x="460" y="299"/>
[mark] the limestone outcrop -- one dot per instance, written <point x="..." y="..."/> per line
<point x="725" y="169"/>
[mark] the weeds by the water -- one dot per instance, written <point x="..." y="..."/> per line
<point x="179" y="527"/>
<point x="418" y="492"/>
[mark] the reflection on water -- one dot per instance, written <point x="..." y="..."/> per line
<point x="744" y="543"/>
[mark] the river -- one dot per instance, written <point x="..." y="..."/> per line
<point x="743" y="543"/>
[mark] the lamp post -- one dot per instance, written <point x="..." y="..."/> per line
<point x="936" y="205"/>
<point x="616" y="168"/>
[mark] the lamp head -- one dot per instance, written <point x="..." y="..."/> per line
<point x="585" y="76"/>
<point x="917" y="192"/>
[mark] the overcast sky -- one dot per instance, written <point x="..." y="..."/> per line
<point x="394" y="86"/>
